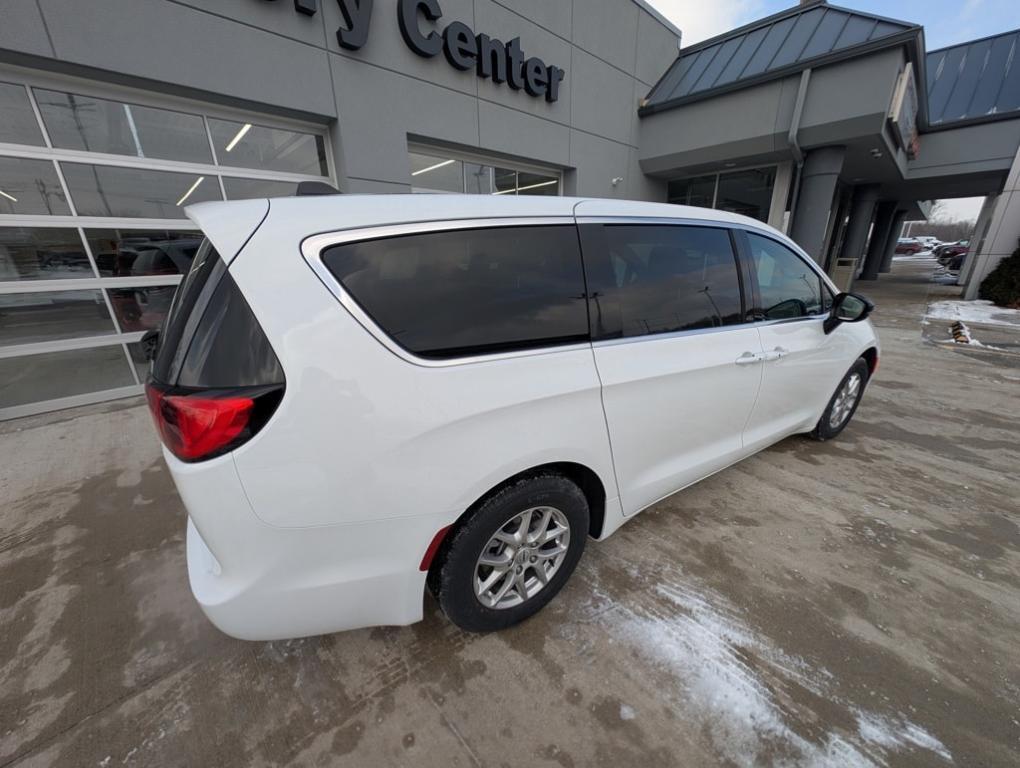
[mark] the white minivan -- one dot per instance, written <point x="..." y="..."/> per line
<point x="361" y="396"/>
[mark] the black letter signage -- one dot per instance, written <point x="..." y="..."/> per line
<point x="357" y="15"/>
<point x="490" y="58"/>
<point x="407" y="17"/>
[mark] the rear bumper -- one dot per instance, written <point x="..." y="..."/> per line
<point x="300" y="602"/>
<point x="260" y="582"/>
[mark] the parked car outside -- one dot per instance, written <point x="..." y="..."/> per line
<point x="941" y="248"/>
<point x="909" y="245"/>
<point x="361" y="397"/>
<point x="953" y="252"/>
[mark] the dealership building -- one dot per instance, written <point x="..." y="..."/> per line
<point x="833" y="125"/>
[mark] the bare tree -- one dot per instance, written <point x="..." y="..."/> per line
<point x="940" y="225"/>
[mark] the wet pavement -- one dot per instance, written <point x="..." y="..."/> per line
<point x="855" y="602"/>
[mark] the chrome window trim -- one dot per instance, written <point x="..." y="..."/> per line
<point x="313" y="247"/>
<point x="647" y="337"/>
<point x="701" y="331"/>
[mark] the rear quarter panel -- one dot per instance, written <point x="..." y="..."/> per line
<point x="363" y="434"/>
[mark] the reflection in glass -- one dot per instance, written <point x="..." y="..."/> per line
<point x="28" y="253"/>
<point x="536" y="184"/>
<point x="508" y="182"/>
<point x="247" y="189"/>
<point x="19" y="125"/>
<point x="788" y="286"/>
<point x="504" y="181"/>
<point x="747" y="192"/>
<point x="665" y="279"/>
<point x="36" y="378"/>
<point x="446" y="294"/>
<point x="142" y="252"/>
<point x="478" y="179"/>
<point x="97" y="125"/>
<point x="136" y="351"/>
<point x="245" y="145"/>
<point x="141" y="309"/>
<point x="31" y="317"/>
<point x="99" y="190"/>
<point x="436" y="174"/>
<point x="699" y="191"/>
<point x="30" y="187"/>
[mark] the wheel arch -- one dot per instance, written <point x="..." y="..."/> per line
<point x="584" y="477"/>
<point x="870" y="356"/>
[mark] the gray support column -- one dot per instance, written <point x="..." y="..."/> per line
<point x="814" y="201"/>
<point x="861" y="211"/>
<point x="1000" y="238"/>
<point x="890" y="243"/>
<point x="884" y="213"/>
<point x="977" y="239"/>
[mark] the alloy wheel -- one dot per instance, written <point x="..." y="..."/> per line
<point x="522" y="557"/>
<point x="844" y="403"/>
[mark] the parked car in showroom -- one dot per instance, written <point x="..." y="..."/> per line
<point x="364" y="397"/>
<point x="909" y="245"/>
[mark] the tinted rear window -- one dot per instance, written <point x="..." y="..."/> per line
<point x="229" y="347"/>
<point x="189" y="301"/>
<point x="647" y="279"/>
<point x="446" y="294"/>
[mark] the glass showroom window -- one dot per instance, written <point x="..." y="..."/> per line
<point x="748" y="192"/>
<point x="438" y="173"/>
<point x="93" y="235"/>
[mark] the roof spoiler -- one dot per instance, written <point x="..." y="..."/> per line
<point x="305" y="188"/>
<point x="229" y="225"/>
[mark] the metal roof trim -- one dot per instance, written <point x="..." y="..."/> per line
<point x="655" y="100"/>
<point x="906" y="37"/>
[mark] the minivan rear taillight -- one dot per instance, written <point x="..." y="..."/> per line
<point x="201" y="425"/>
<point x="216" y="380"/>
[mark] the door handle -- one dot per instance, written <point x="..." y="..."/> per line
<point x="749" y="358"/>
<point x="776" y="354"/>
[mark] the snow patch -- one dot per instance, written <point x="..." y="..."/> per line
<point x="627" y="712"/>
<point x="736" y="683"/>
<point x="981" y="312"/>
<point x="896" y="735"/>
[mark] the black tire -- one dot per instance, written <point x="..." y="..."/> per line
<point x="452" y="578"/>
<point x="825" y="430"/>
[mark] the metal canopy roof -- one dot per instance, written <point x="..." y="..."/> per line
<point x="973" y="81"/>
<point x="786" y="42"/>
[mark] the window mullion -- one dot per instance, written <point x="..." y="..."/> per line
<point x="38" y="117"/>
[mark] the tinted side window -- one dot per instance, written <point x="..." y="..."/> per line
<point x="445" y="294"/>
<point x="789" y="288"/>
<point x="646" y="279"/>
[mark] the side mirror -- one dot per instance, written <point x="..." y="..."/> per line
<point x="847" y="308"/>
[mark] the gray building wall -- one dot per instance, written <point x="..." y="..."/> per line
<point x="264" y="56"/>
<point x="846" y="102"/>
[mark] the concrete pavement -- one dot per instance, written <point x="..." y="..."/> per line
<point x="855" y="602"/>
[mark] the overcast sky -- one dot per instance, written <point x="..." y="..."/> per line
<point x="946" y="22"/>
